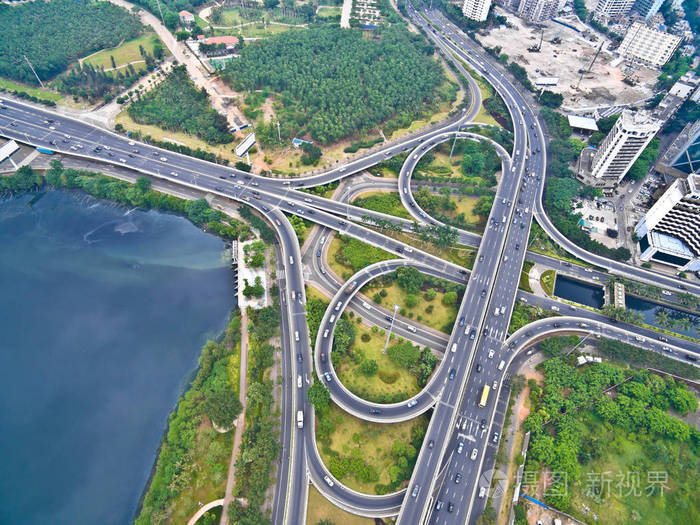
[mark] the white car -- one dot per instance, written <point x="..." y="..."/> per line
<point x="491" y="353"/>
<point x="328" y="480"/>
<point x="475" y="452"/>
<point x="299" y="381"/>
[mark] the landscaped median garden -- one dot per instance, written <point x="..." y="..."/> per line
<point x="373" y="458"/>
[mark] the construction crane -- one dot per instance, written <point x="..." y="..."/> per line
<point x="536" y="49"/>
<point x="583" y="72"/>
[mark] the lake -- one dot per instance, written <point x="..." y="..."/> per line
<point x="103" y="312"/>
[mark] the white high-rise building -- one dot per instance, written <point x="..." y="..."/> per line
<point x="538" y="10"/>
<point x="670" y="231"/>
<point x="613" y="9"/>
<point x="476" y="9"/>
<point x="623" y="145"/>
<point x="648" y="45"/>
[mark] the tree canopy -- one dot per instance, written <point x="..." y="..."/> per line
<point x="54" y="34"/>
<point x="333" y="82"/>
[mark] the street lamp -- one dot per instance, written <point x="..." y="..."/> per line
<point x="391" y="327"/>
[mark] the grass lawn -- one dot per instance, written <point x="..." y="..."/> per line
<point x="260" y="30"/>
<point x="367" y="254"/>
<point x="547" y="281"/>
<point x="383" y="202"/>
<point x="327" y="12"/>
<point x="125" y="53"/>
<point x="389" y="381"/>
<point x="231" y="17"/>
<point x="371" y="441"/>
<point x="442" y="317"/>
<point x="319" y="508"/>
<point x="524" y="277"/>
<point x="42" y="94"/>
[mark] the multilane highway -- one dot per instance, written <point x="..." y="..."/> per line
<point x="479" y="340"/>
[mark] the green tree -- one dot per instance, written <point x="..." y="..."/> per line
<point x="319" y="396"/>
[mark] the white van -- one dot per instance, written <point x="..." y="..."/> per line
<point x="501" y="365"/>
<point x="555" y="308"/>
<point x="411" y="328"/>
<point x="454" y="347"/>
<point x="296" y="335"/>
<point x="325" y="333"/>
<point x="495" y="312"/>
<point x="300" y="419"/>
<point x="366" y="305"/>
<point x="337" y="306"/>
<point x="291" y="260"/>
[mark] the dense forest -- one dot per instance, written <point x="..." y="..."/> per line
<point x="54" y="34"/>
<point x="333" y="82"/>
<point x="177" y="105"/>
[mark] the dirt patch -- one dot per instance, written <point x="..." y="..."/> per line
<point x="564" y="53"/>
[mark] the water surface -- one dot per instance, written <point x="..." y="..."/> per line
<point x="102" y="314"/>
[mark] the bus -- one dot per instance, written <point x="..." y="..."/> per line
<point x="484" y="396"/>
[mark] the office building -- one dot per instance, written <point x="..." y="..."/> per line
<point x="647" y="45"/>
<point x="647" y="8"/>
<point x="622" y="146"/>
<point x="476" y="9"/>
<point x="670" y="231"/>
<point x="538" y="10"/>
<point x="612" y="9"/>
<point x="682" y="156"/>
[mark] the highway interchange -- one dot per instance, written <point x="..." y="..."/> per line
<point x="491" y="291"/>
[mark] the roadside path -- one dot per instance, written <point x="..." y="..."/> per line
<point x="240" y="422"/>
<point x="534" y="278"/>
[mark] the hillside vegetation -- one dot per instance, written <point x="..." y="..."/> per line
<point x="332" y="82"/>
<point x="54" y="34"/>
<point x="177" y="105"/>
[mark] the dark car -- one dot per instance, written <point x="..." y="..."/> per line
<point x="453" y="372"/>
<point x="556" y="325"/>
<point x="431" y="443"/>
<point x="375" y="410"/>
<point x="461" y="321"/>
<point x="463" y="272"/>
<point x="450" y="507"/>
<point x="483" y="292"/>
<point x="318" y="253"/>
<point x="483" y="424"/>
<point x="300" y="358"/>
<point x="472" y="334"/>
<point x="479" y="368"/>
<point x="387" y="317"/>
<point x="323" y="357"/>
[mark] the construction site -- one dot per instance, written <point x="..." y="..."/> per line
<point x="566" y="56"/>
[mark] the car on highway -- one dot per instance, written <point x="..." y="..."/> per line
<point x="453" y="372"/>
<point x="300" y="358"/>
<point x="299" y="383"/>
<point x="328" y="377"/>
<point x="416" y="490"/>
<point x="450" y="506"/>
<point x="494" y="439"/>
<point x="460" y="447"/>
<point x="482" y="425"/>
<point x="323" y="357"/>
<point x="375" y="410"/>
<point x="472" y="334"/>
<point x="412" y="403"/>
<point x="431" y="443"/>
<point x="461" y="321"/>
<point x="439" y="505"/>
<point x="474" y="454"/>
<point x="328" y="480"/>
<point x="483" y="292"/>
<point x="491" y="354"/>
<point x="479" y="368"/>
<point x="458" y="478"/>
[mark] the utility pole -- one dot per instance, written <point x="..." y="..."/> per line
<point x="453" y="147"/>
<point x="32" y="68"/>
<point x="161" y="12"/>
<point x="388" y="336"/>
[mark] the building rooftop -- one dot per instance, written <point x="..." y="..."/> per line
<point x="670" y="244"/>
<point x="587" y="123"/>
<point x="213" y="40"/>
